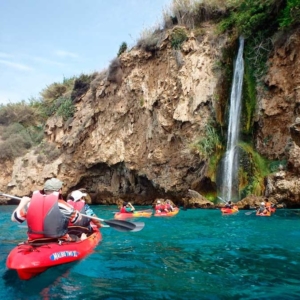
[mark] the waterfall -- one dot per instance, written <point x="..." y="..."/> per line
<point x="230" y="190"/>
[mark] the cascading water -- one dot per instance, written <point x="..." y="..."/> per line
<point x="230" y="190"/>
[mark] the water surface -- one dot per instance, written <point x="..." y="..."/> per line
<point x="197" y="254"/>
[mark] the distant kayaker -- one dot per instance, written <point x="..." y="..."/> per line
<point x="262" y="209"/>
<point x="159" y="207"/>
<point x="76" y="199"/>
<point x="47" y="214"/>
<point x="229" y="204"/>
<point x="127" y="207"/>
<point x="168" y="206"/>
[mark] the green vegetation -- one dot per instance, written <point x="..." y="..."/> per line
<point x="290" y="15"/>
<point x="252" y="171"/>
<point x="17" y="139"/>
<point x="122" y="49"/>
<point x="212" y="143"/>
<point x="178" y="36"/>
<point x="22" y="124"/>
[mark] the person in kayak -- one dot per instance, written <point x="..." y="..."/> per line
<point x="229" y="205"/>
<point x="47" y="214"/>
<point x="262" y="209"/>
<point x="160" y="207"/>
<point x="269" y="205"/>
<point x="127" y="207"/>
<point x="77" y="200"/>
<point x="168" y="206"/>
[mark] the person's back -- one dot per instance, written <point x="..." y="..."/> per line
<point x="46" y="213"/>
<point x="44" y="218"/>
<point x="228" y="204"/>
<point x="262" y="209"/>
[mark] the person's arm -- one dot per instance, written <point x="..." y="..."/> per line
<point x="19" y="214"/>
<point x="68" y="210"/>
<point x="131" y="206"/>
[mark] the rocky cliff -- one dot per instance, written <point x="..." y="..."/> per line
<point x="131" y="135"/>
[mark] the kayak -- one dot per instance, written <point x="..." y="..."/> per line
<point x="30" y="259"/>
<point x="142" y="213"/>
<point x="227" y="211"/>
<point x="268" y="214"/>
<point x="167" y="214"/>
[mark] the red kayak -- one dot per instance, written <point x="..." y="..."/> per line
<point x="227" y="211"/>
<point x="167" y="214"/>
<point x="31" y="259"/>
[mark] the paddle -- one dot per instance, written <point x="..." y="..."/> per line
<point x="250" y="212"/>
<point x="222" y="199"/>
<point x="136" y="211"/>
<point x="119" y="225"/>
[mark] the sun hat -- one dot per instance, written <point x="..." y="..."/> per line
<point x="77" y="195"/>
<point x="53" y="184"/>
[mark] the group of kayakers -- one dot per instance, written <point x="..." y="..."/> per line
<point x="49" y="216"/>
<point x="161" y="207"/>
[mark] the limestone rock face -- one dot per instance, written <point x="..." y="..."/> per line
<point x="132" y="137"/>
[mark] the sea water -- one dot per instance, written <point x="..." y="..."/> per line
<point x="197" y="254"/>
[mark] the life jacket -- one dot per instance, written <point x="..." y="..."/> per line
<point x="44" y="218"/>
<point x="159" y="207"/>
<point x="123" y="210"/>
<point x="79" y="205"/>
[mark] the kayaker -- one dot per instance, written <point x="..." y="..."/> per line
<point x="76" y="199"/>
<point x="229" y="205"/>
<point x="127" y="207"/>
<point x="159" y="207"/>
<point x="46" y="212"/>
<point x="168" y="206"/>
<point x="262" y="209"/>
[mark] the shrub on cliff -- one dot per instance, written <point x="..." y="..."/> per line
<point x="19" y="112"/>
<point x="16" y="140"/>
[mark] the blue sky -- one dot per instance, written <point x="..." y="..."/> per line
<point x="43" y="41"/>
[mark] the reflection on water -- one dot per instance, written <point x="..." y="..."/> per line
<point x="198" y="254"/>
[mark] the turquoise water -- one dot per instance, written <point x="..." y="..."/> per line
<point x="197" y="254"/>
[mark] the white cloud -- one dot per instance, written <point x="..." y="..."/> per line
<point x="62" y="53"/>
<point x="15" y="65"/>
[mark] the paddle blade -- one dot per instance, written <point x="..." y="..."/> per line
<point x="120" y="225"/>
<point x="249" y="212"/>
<point x="139" y="226"/>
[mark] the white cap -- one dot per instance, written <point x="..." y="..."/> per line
<point x="158" y="201"/>
<point x="77" y="195"/>
<point x="262" y="204"/>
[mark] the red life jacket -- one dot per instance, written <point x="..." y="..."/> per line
<point x="79" y="205"/>
<point x="44" y="218"/>
<point x="123" y="210"/>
